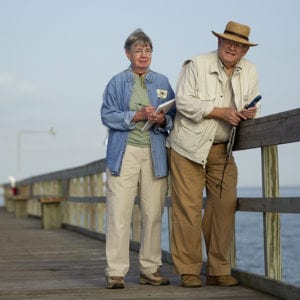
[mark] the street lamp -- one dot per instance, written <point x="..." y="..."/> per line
<point x="51" y="131"/>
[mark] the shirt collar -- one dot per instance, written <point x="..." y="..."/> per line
<point x="237" y="67"/>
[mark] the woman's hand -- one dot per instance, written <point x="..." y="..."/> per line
<point x="159" y="118"/>
<point x="144" y="113"/>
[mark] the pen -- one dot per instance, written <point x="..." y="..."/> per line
<point x="141" y="104"/>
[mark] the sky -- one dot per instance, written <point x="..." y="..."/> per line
<point x="58" y="55"/>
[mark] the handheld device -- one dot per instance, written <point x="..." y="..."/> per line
<point x="253" y="102"/>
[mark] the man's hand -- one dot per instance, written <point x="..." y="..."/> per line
<point x="227" y="114"/>
<point x="249" y="113"/>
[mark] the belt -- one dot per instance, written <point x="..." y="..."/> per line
<point x="224" y="143"/>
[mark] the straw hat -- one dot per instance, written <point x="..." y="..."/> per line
<point x="236" y="32"/>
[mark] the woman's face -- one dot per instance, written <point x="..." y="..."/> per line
<point x="140" y="57"/>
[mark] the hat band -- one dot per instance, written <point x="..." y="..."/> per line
<point x="236" y="34"/>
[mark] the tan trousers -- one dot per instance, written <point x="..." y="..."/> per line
<point x="188" y="181"/>
<point x="136" y="178"/>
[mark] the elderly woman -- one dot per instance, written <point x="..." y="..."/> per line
<point x="136" y="162"/>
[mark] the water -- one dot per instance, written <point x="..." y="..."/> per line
<point x="249" y="238"/>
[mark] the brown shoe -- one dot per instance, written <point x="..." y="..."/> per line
<point x="223" y="280"/>
<point x="115" y="282"/>
<point x="191" y="280"/>
<point x="154" y="279"/>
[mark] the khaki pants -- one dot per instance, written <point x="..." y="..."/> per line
<point x="188" y="181"/>
<point x="136" y="178"/>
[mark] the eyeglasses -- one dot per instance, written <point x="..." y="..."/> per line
<point x="230" y="43"/>
<point x="139" y="52"/>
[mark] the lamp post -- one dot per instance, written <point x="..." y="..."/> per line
<point x="51" y="131"/>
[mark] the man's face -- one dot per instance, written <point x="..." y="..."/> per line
<point x="230" y="52"/>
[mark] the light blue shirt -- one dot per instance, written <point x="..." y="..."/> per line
<point x="117" y="116"/>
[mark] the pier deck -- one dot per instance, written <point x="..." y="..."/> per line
<point x="63" y="264"/>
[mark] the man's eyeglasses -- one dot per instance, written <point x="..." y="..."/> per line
<point x="230" y="43"/>
<point x="139" y="52"/>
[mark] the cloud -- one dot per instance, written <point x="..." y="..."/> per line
<point x="11" y="86"/>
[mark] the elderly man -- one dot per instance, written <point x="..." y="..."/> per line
<point x="212" y="92"/>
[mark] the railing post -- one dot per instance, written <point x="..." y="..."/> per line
<point x="51" y="212"/>
<point x="20" y="204"/>
<point x="272" y="243"/>
<point x="10" y="205"/>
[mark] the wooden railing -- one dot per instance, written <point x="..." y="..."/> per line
<point x="83" y="191"/>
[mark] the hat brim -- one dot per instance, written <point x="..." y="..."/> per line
<point x="234" y="38"/>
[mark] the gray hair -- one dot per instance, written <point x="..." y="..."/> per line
<point x="138" y="37"/>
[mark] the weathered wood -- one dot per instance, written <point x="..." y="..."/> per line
<point x="51" y="199"/>
<point x="65" y="265"/>
<point x="255" y="204"/>
<point x="271" y="130"/>
<point x="282" y="205"/>
<point x="20" y="204"/>
<point x="10" y="205"/>
<point x="51" y="212"/>
<point x="273" y="265"/>
<point x="274" y="287"/>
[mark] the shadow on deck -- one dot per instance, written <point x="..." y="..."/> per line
<point x="62" y="264"/>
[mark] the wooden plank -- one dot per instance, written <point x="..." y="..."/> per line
<point x="255" y="204"/>
<point x="63" y="264"/>
<point x="271" y="130"/>
<point x="281" y="205"/>
<point x="274" y="287"/>
<point x="51" y="199"/>
<point x="272" y="242"/>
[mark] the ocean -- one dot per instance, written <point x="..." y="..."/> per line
<point x="249" y="237"/>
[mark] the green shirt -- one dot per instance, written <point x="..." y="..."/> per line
<point x="138" y="99"/>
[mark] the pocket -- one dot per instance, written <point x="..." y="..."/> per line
<point x="206" y="101"/>
<point x="188" y="135"/>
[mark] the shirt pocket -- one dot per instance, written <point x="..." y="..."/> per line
<point x="189" y="135"/>
<point x="205" y="95"/>
<point x="207" y="102"/>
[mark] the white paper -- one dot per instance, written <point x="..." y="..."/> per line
<point x="166" y="106"/>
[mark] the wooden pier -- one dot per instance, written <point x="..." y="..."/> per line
<point x="43" y="255"/>
<point x="62" y="264"/>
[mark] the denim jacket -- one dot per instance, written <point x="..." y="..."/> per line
<point x="115" y="115"/>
